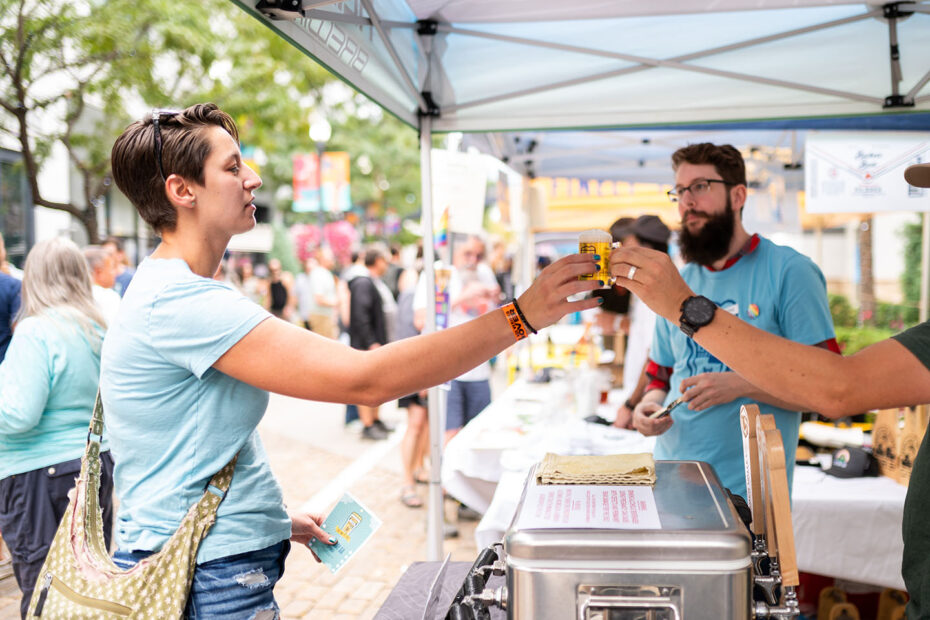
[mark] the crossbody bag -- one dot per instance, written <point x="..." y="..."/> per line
<point x="79" y="579"/>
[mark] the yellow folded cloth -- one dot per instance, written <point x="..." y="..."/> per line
<point x="615" y="469"/>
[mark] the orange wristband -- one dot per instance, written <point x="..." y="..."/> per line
<point x="513" y="319"/>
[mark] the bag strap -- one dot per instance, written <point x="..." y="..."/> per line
<point x="95" y="431"/>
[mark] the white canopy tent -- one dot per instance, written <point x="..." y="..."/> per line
<point x="492" y="65"/>
<point x="481" y="65"/>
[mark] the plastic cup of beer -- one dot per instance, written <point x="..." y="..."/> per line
<point x="597" y="242"/>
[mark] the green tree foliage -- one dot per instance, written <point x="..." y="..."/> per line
<point x="910" y="279"/>
<point x="70" y="69"/>
<point x="391" y="148"/>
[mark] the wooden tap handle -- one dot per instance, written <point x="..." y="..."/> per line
<point x="765" y="423"/>
<point x="779" y="497"/>
<point x="747" y="423"/>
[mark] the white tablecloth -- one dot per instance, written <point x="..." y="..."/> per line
<point x="519" y="427"/>
<point x="846" y="528"/>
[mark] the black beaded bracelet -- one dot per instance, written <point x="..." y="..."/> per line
<point x="516" y="307"/>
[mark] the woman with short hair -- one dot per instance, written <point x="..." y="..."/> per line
<point x="187" y="369"/>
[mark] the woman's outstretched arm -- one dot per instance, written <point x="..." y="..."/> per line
<point x="282" y="358"/>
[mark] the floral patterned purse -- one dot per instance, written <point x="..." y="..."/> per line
<point x="79" y="580"/>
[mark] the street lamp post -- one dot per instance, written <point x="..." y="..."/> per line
<point x="320" y="133"/>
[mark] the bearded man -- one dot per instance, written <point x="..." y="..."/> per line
<point x="770" y="286"/>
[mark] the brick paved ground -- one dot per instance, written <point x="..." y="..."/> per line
<point x="308" y="447"/>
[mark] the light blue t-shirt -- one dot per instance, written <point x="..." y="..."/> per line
<point x="773" y="288"/>
<point x="173" y="421"/>
<point x="48" y="383"/>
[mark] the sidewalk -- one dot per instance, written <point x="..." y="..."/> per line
<point x="308" y="447"/>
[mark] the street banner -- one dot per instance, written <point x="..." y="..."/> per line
<point x="335" y="177"/>
<point x="862" y="172"/>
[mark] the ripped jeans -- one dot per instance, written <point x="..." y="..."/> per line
<point x="237" y="587"/>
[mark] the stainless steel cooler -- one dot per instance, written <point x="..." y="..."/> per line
<point x="697" y="567"/>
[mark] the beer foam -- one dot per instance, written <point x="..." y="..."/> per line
<point x="595" y="236"/>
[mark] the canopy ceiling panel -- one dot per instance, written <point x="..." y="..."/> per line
<point x="533" y="10"/>
<point x="482" y="65"/>
<point x="635" y="156"/>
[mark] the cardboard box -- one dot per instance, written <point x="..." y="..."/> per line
<point x="896" y="438"/>
<point x="885" y="434"/>
<point x="909" y="440"/>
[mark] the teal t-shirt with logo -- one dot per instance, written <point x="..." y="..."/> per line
<point x="773" y="288"/>
<point x="173" y="421"/>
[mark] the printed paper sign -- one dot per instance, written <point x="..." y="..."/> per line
<point x="351" y="524"/>
<point x="863" y="172"/>
<point x="596" y="507"/>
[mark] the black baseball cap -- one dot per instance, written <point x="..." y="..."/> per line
<point x="852" y="462"/>
<point x="648" y="228"/>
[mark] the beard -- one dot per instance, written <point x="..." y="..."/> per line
<point x="712" y="241"/>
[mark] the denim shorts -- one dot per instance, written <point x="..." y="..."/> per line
<point x="466" y="400"/>
<point x="237" y="587"/>
<point x="31" y="507"/>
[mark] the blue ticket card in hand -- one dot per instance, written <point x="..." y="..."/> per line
<point x="351" y="524"/>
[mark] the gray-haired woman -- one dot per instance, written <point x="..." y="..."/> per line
<point x="48" y="382"/>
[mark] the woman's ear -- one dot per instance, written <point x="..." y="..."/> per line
<point x="180" y="193"/>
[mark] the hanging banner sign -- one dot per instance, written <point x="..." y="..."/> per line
<point x="863" y="172"/>
<point x="459" y="185"/>
<point x="335" y="178"/>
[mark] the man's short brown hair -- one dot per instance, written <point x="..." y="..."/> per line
<point x="725" y="159"/>
<point x="184" y="148"/>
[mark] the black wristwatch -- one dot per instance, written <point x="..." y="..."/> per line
<point x="696" y="312"/>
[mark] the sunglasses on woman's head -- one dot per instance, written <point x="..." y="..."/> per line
<point x="157" y="117"/>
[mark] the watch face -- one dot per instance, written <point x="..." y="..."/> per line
<point x="699" y="311"/>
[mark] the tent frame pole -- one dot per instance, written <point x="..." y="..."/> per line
<point x="319" y="3"/>
<point x="392" y="51"/>
<point x="692" y="56"/>
<point x="355" y="20"/>
<point x="918" y="86"/>
<point x="434" y="518"/>
<point x="648" y="63"/>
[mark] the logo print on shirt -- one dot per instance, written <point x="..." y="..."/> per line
<point x="753" y="311"/>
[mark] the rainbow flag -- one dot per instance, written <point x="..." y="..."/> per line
<point x="441" y="234"/>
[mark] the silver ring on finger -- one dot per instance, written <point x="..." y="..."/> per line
<point x="630" y="275"/>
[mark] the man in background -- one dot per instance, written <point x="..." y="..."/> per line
<point x="473" y="290"/>
<point x="10" y="289"/>
<point x="124" y="272"/>
<point x="316" y="294"/>
<point x="392" y="275"/>
<point x="6" y="266"/>
<point x="368" y="328"/>
<point x="639" y="325"/>
<point x="102" y="266"/>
